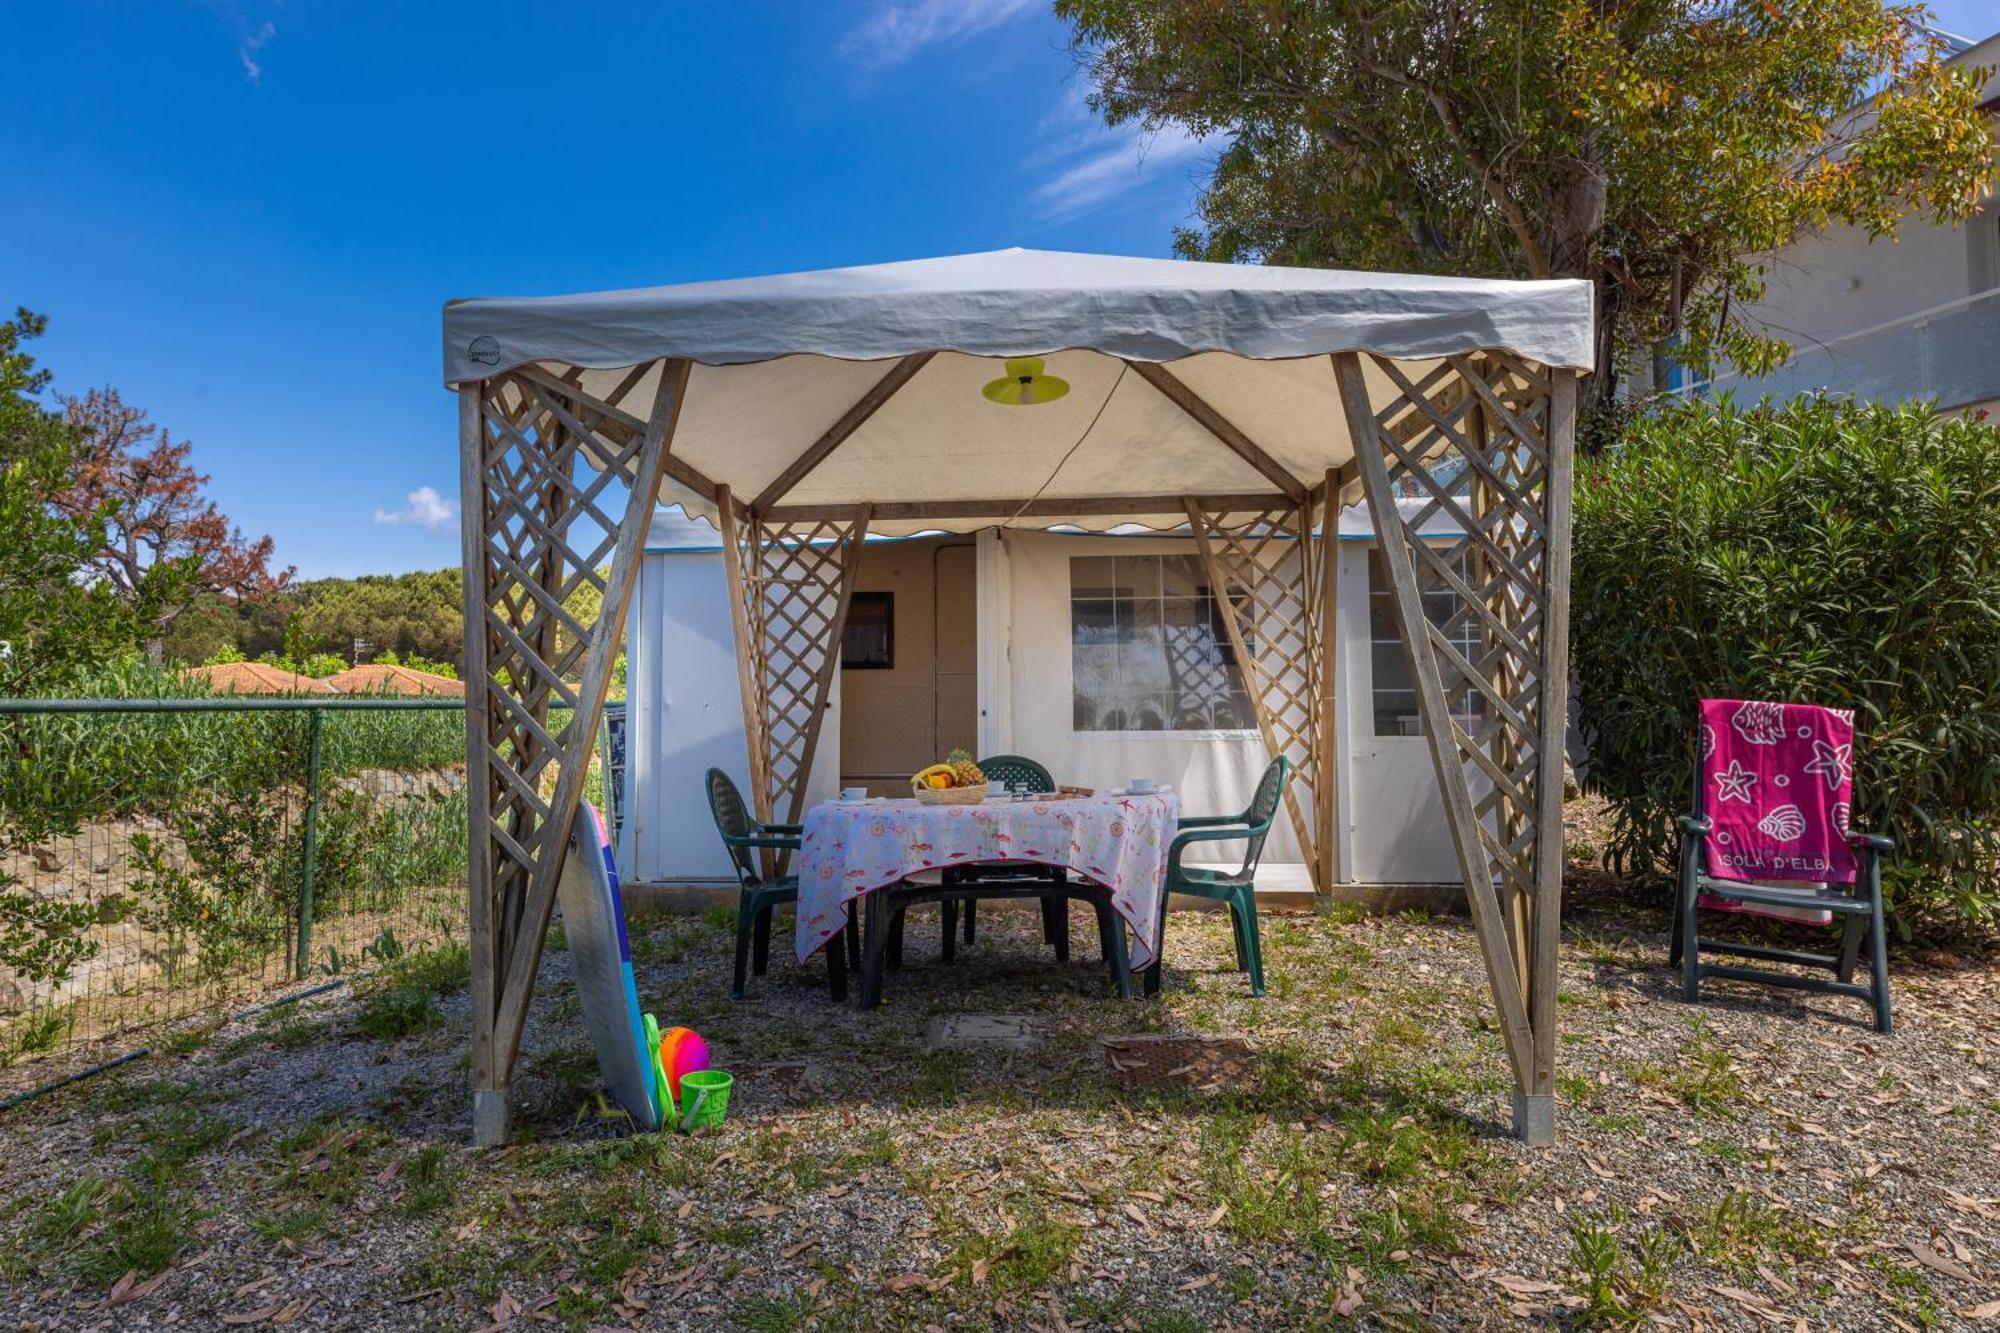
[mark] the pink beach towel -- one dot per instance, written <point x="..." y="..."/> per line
<point x="1777" y="785"/>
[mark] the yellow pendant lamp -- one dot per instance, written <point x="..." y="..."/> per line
<point x="1025" y="384"/>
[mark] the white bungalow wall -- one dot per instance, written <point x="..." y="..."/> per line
<point x="686" y="715"/>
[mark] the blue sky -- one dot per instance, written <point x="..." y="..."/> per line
<point x="246" y="214"/>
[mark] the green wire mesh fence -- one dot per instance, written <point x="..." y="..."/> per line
<point x="164" y="860"/>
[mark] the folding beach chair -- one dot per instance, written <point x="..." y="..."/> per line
<point x="1770" y="836"/>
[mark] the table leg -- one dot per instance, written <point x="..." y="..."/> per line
<point x="874" y="931"/>
<point x="1121" y="960"/>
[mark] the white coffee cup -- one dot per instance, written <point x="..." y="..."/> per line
<point x="853" y="793"/>
<point x="1140" y="786"/>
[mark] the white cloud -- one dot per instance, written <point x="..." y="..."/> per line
<point x="1086" y="164"/>
<point x="1110" y="172"/>
<point x="252" y="34"/>
<point x="893" y="33"/>
<point x="425" y="509"/>
<point x="249" y="43"/>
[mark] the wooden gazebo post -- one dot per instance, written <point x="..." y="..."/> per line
<point x="1511" y="427"/>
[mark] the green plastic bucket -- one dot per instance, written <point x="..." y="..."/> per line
<point x="704" y="1098"/>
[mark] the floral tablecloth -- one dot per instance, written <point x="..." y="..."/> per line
<point x="1118" y="841"/>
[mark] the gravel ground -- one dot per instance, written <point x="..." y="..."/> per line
<point x="1333" y="1155"/>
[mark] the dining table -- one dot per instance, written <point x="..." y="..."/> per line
<point x="1117" y="839"/>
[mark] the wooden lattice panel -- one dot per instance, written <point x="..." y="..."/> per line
<point x="793" y="583"/>
<point x="1492" y="572"/>
<point x="1265" y="578"/>
<point x="558" y="487"/>
<point x="1476" y="440"/>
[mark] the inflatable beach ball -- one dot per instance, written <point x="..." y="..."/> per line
<point x="682" y="1051"/>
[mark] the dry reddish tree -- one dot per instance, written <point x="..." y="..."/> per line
<point x="166" y="543"/>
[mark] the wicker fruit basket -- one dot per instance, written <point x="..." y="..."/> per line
<point x="948" y="795"/>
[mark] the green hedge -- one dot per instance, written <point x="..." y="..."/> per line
<point x="1820" y="552"/>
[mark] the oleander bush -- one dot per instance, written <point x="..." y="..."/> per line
<point x="1823" y="552"/>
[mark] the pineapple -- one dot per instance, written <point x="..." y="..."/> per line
<point x="964" y="773"/>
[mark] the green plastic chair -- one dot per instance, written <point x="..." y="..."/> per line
<point x="758" y="896"/>
<point x="1236" y="890"/>
<point x="1025" y="774"/>
<point x="1001" y="769"/>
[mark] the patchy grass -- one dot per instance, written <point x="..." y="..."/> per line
<point x="402" y="999"/>
<point x="299" y="1223"/>
<point x="428" y="1181"/>
<point x="1737" y="1231"/>
<point x="773" y="1314"/>
<point x="330" y="1163"/>
<point x="1029" y="1249"/>
<point x="1340" y="1161"/>
<point x="101" y="1227"/>
<point x="1702" y="1078"/>
<point x="397" y="1011"/>
<point x="1621" y="1280"/>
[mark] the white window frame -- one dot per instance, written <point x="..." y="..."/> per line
<point x="1467" y="642"/>
<point x="1134" y="734"/>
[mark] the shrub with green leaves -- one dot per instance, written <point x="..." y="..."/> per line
<point x="230" y="788"/>
<point x="1818" y="552"/>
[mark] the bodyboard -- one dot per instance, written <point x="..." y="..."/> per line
<point x="593" y="915"/>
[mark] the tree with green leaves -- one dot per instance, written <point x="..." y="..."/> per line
<point x="54" y="622"/>
<point x="417" y="613"/>
<point x="53" y="619"/>
<point x="1656" y="148"/>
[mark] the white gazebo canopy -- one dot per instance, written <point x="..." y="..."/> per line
<point x="779" y="362"/>
<point x="803" y="412"/>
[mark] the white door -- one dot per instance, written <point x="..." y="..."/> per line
<point x="1396" y="831"/>
<point x="955" y="655"/>
<point x="686" y="715"/>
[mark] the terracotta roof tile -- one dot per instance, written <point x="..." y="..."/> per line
<point x="377" y="678"/>
<point x="258" y="678"/>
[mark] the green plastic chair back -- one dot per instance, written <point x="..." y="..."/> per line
<point x="1263" y="809"/>
<point x="733" y="822"/>
<point x="1022" y="772"/>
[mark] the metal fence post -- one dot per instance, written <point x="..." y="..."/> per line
<point x="303" y="963"/>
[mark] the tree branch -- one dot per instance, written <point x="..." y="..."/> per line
<point x="1517" y="219"/>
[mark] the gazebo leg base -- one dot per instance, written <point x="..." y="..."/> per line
<point x="489" y="1117"/>
<point x="1535" y="1118"/>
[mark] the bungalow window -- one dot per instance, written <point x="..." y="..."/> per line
<point x="1395" y="696"/>
<point x="869" y="639"/>
<point x="1148" y="648"/>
